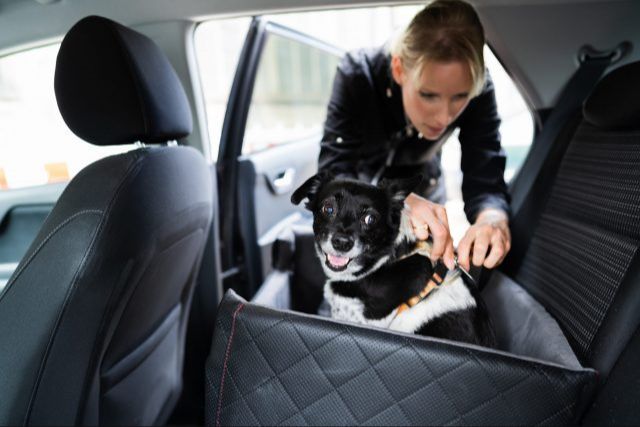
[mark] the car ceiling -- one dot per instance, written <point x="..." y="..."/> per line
<point x="536" y="40"/>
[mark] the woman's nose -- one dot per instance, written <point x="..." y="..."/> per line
<point x="443" y="116"/>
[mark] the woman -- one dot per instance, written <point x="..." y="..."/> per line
<point x="391" y="110"/>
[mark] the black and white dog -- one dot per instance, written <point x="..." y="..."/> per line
<point x="376" y="272"/>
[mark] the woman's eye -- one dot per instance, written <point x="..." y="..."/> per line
<point x="368" y="219"/>
<point x="328" y="209"/>
<point x="428" y="96"/>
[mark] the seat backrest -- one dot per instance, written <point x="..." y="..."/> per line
<point x="92" y="322"/>
<point x="583" y="263"/>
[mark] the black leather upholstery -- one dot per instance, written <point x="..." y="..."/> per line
<point x="272" y="367"/>
<point x="92" y="322"/>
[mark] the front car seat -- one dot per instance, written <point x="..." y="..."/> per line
<point x="92" y="322"/>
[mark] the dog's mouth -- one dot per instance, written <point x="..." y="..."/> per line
<point x="337" y="263"/>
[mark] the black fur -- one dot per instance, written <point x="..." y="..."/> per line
<point x="340" y="208"/>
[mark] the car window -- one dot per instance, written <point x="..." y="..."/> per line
<point x="218" y="44"/>
<point x="290" y="95"/>
<point x="36" y="147"/>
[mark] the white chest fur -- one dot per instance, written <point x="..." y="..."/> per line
<point x="450" y="297"/>
<point x="352" y="309"/>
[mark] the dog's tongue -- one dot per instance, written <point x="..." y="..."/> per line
<point x="338" y="261"/>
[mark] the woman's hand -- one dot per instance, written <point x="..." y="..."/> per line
<point x="486" y="242"/>
<point x="430" y="219"/>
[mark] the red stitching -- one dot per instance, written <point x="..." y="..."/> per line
<point x="226" y="359"/>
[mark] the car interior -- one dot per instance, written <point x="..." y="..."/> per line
<point x="169" y="280"/>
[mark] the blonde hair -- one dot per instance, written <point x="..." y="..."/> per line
<point x="444" y="31"/>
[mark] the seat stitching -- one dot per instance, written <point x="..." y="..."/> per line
<point x="436" y="378"/>
<point x="508" y="389"/>
<point x="134" y="166"/>
<point x="555" y="414"/>
<point x="61" y="312"/>
<point x="45" y="241"/>
<point x="493" y="383"/>
<point x="226" y="360"/>
<point x="373" y="367"/>
<point x="286" y="369"/>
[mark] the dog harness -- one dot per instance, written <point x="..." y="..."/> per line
<point x="439" y="272"/>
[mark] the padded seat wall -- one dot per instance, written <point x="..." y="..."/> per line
<point x="275" y="367"/>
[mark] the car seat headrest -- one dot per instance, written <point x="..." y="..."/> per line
<point x="115" y="86"/>
<point x="614" y="103"/>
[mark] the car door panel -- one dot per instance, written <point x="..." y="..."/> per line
<point x="270" y="143"/>
<point x="278" y="172"/>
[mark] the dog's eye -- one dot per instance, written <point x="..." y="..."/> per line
<point x="328" y="209"/>
<point x="369" y="219"/>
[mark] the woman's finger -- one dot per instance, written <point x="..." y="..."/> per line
<point x="464" y="248"/>
<point x="440" y="234"/>
<point x="497" y="251"/>
<point x="448" y="255"/>
<point x="480" y="247"/>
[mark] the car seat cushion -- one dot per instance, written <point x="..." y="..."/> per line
<point x="522" y="324"/>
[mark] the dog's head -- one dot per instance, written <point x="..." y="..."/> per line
<point x="355" y="224"/>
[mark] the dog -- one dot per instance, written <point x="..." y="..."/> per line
<point x="377" y="272"/>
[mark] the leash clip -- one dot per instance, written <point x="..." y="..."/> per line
<point x="464" y="272"/>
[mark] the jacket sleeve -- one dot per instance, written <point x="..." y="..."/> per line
<point x="483" y="159"/>
<point x="342" y="138"/>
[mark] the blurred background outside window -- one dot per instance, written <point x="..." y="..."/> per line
<point x="36" y="147"/>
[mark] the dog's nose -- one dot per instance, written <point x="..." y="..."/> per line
<point x="341" y="242"/>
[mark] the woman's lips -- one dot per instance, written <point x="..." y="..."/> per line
<point x="435" y="131"/>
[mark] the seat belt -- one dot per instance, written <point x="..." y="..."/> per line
<point x="573" y="95"/>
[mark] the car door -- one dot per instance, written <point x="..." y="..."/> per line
<point x="270" y="143"/>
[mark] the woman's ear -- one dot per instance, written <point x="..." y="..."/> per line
<point x="397" y="70"/>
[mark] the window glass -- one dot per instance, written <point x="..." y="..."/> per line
<point x="36" y="147"/>
<point x="290" y="95"/>
<point x="218" y="44"/>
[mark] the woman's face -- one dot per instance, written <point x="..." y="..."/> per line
<point x="437" y="97"/>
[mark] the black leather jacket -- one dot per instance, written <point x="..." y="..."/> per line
<point x="366" y="122"/>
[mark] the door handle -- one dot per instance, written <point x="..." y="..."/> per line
<point x="282" y="182"/>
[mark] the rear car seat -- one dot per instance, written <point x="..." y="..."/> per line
<point x="269" y="365"/>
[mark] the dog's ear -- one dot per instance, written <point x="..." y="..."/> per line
<point x="400" y="188"/>
<point x="310" y="187"/>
